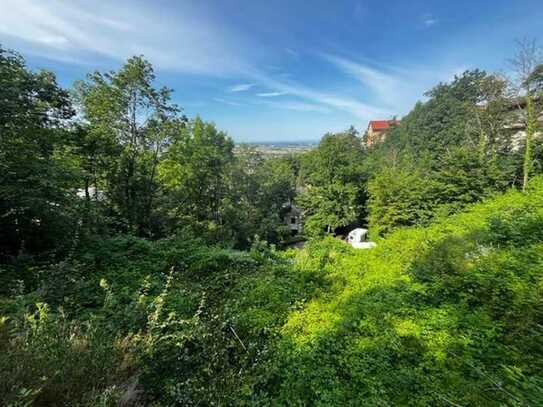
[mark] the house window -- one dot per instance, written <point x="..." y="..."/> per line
<point x="293" y="220"/>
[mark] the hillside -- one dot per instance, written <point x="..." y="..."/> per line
<point x="444" y="315"/>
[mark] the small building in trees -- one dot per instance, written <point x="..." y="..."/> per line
<point x="377" y="130"/>
<point x="293" y="219"/>
<point x="517" y="120"/>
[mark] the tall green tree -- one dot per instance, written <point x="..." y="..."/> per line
<point x="194" y="171"/>
<point x="37" y="179"/>
<point x="262" y="191"/>
<point x="129" y="115"/>
<point x="334" y="183"/>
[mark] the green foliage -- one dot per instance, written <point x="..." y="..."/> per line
<point x="329" y="207"/>
<point x="217" y="354"/>
<point x="454" y="115"/>
<point x="195" y="320"/>
<point x="137" y="166"/>
<point x="535" y="79"/>
<point x="130" y="124"/>
<point x="448" y="152"/>
<point x="433" y="316"/>
<point x="334" y="177"/>
<point x="195" y="171"/>
<point x="401" y="197"/>
<point x="262" y="191"/>
<point x="226" y="198"/>
<point x="36" y="180"/>
<point x="50" y="360"/>
<point x="446" y="312"/>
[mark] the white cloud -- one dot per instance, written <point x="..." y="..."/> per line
<point x="188" y="40"/>
<point x="396" y="88"/>
<point x="302" y="107"/>
<point x="191" y="39"/>
<point x="54" y="40"/>
<point x="242" y="87"/>
<point x="271" y="94"/>
<point x="227" y="102"/>
<point x="355" y="107"/>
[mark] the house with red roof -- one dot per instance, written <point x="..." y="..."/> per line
<point x="377" y="129"/>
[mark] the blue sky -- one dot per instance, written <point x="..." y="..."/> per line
<point x="276" y="70"/>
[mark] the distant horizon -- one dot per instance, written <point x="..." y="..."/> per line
<point x="281" y="142"/>
<point x="267" y="70"/>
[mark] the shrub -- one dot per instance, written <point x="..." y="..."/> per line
<point x="49" y="360"/>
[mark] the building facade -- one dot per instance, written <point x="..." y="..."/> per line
<point x="293" y="219"/>
<point x="377" y="129"/>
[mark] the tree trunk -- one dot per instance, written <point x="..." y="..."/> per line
<point x="530" y="130"/>
<point x="151" y="188"/>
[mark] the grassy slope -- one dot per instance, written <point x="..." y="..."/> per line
<point x="445" y="314"/>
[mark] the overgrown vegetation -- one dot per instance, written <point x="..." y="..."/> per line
<point x="447" y="312"/>
<point x="139" y="260"/>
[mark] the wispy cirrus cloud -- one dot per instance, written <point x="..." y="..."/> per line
<point x="271" y="94"/>
<point x="395" y="88"/>
<point x="204" y="49"/>
<point x="302" y="107"/>
<point x="242" y="87"/>
<point x="188" y="40"/>
<point x="353" y="106"/>
<point x="292" y="52"/>
<point x="428" y="22"/>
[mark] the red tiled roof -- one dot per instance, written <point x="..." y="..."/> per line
<point x="382" y="124"/>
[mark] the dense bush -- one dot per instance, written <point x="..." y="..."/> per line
<point x="50" y="360"/>
<point x="192" y="321"/>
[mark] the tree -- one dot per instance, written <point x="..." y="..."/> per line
<point x="194" y="171"/>
<point x="334" y="180"/>
<point x="450" y="151"/>
<point x="525" y="65"/>
<point x="404" y="195"/>
<point x="329" y="207"/>
<point x="535" y="79"/>
<point x="127" y="113"/>
<point x="274" y="189"/>
<point x="468" y="110"/>
<point x="37" y="178"/>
